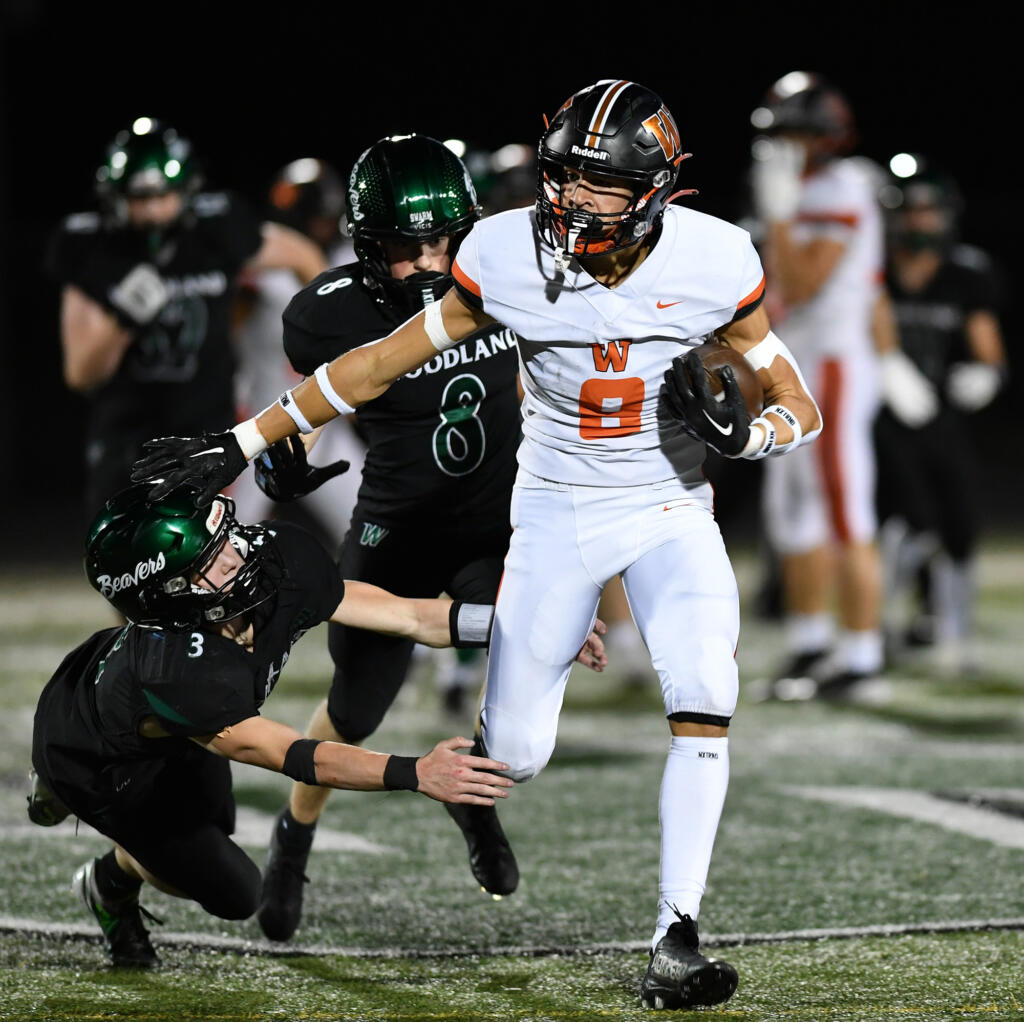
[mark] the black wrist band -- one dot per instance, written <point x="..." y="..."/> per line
<point x="400" y="774"/>
<point x="470" y="624"/>
<point x="298" y="760"/>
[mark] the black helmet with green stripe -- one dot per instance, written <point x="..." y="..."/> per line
<point x="147" y="558"/>
<point x="408" y="188"/>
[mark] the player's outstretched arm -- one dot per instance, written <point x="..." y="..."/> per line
<point x="213" y="461"/>
<point x="424" y="620"/>
<point x="439" y="622"/>
<point x="443" y="774"/>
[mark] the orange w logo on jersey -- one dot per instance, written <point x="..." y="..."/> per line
<point x="664" y="129"/>
<point x="611" y="354"/>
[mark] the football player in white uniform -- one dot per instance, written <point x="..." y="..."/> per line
<point x="823" y="246"/>
<point x="607" y="287"/>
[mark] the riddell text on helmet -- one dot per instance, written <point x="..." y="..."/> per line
<point x="593" y="154"/>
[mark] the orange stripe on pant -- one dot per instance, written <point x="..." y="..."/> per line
<point x="830" y="394"/>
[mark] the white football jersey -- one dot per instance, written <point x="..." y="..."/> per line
<point x="839" y="202"/>
<point x="592" y="359"/>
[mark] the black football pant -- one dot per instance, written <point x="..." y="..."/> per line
<point x="926" y="477"/>
<point x="412" y="561"/>
<point x="180" y="829"/>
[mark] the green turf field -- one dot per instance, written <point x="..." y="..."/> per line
<point x="868" y="865"/>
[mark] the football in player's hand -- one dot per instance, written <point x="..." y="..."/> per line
<point x="713" y="355"/>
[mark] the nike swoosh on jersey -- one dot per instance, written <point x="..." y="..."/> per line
<point x="721" y="429"/>
<point x="212" y="450"/>
<point x="668" y="305"/>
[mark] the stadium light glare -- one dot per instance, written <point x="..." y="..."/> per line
<point x="903" y="165"/>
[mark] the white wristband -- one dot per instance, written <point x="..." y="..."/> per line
<point x="249" y="438"/>
<point x="790" y="419"/>
<point x="290" y="405"/>
<point x="333" y="398"/>
<point x="759" y="445"/>
<point x="433" y="323"/>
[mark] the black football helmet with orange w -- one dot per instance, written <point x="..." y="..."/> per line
<point x="616" y="129"/>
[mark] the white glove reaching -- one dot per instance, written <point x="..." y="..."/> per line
<point x="907" y="391"/>
<point x="140" y="295"/>
<point x="775" y="179"/>
<point x="972" y="385"/>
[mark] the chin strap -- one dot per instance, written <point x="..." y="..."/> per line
<point x="563" y="255"/>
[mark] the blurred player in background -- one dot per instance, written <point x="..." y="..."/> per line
<point x="821" y="235"/>
<point x="307" y="195"/>
<point x="947" y="300"/>
<point x="608" y="287"/>
<point x="433" y="508"/>
<point x="124" y="730"/>
<point x="148" y="285"/>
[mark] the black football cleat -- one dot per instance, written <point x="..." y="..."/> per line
<point x="679" y="976"/>
<point x="126" y="938"/>
<point x="491" y="858"/>
<point x="283" y="880"/>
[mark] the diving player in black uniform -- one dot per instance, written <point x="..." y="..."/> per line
<point x="433" y="509"/>
<point x="947" y="304"/>
<point x="124" y="729"/>
<point x="148" y="283"/>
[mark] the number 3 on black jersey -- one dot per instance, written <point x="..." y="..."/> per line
<point x="460" y="440"/>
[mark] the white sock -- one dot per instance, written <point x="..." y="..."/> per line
<point x="693" y="791"/>
<point x="807" y="633"/>
<point x="861" y="651"/>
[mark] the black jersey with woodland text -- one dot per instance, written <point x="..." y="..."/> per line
<point x="441" y="441"/>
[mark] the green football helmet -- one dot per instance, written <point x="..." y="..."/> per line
<point x="149" y="158"/>
<point x="916" y="184"/>
<point x="409" y="188"/>
<point x="145" y="559"/>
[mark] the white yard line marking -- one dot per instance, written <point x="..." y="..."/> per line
<point x="14" y="924"/>
<point x="979" y="822"/>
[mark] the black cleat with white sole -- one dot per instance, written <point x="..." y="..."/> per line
<point x="679" y="976"/>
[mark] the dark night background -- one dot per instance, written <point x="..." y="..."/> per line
<point x="254" y="91"/>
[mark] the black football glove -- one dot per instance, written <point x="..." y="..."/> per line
<point x="209" y="463"/>
<point x="723" y="425"/>
<point x="283" y="473"/>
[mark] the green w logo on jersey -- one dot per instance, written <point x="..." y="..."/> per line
<point x="372" y="534"/>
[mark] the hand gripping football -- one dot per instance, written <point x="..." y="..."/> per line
<point x="713" y="355"/>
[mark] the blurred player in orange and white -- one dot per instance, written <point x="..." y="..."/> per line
<point x="822" y="239"/>
<point x="608" y="288"/>
<point x="307" y="195"/>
